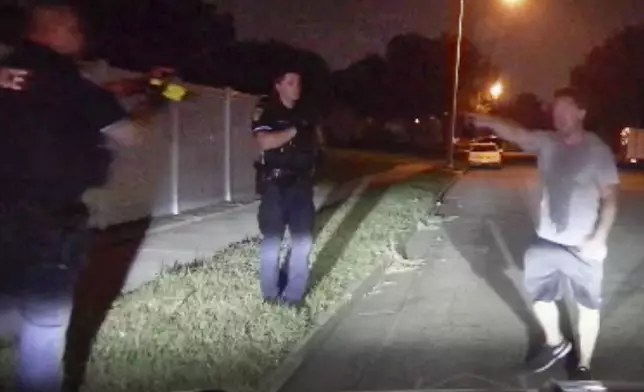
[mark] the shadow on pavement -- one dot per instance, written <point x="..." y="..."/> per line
<point x="493" y="248"/>
<point x="100" y="284"/>
<point x="626" y="289"/>
<point x="332" y="251"/>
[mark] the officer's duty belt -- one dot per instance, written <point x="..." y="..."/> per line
<point x="286" y="173"/>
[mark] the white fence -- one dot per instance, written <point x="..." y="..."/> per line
<point x="198" y="153"/>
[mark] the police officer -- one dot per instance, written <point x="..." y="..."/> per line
<point x="55" y="126"/>
<point x="289" y="143"/>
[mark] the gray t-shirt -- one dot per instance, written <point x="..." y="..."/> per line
<point x="572" y="177"/>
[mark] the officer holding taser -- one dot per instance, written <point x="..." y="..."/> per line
<point x="57" y="130"/>
<point x="289" y="143"/>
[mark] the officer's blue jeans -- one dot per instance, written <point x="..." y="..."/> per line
<point x="42" y="254"/>
<point x="281" y="208"/>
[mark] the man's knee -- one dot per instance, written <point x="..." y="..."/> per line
<point x="271" y="217"/>
<point x="542" y="292"/>
<point x="588" y="295"/>
<point x="301" y="242"/>
<point x="302" y="221"/>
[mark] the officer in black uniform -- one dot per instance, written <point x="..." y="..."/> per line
<point x="55" y="126"/>
<point x="289" y="143"/>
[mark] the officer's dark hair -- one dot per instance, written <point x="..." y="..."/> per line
<point x="46" y="11"/>
<point x="281" y="74"/>
<point x="573" y="94"/>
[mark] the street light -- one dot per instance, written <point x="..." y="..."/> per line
<point x="496" y="90"/>
<point x="457" y="69"/>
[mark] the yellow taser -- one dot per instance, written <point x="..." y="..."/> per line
<point x="175" y="92"/>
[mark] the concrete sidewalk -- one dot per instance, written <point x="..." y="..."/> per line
<point x="454" y="315"/>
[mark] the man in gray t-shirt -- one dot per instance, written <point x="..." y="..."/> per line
<point x="578" y="206"/>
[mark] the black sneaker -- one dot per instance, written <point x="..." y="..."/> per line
<point x="582" y="373"/>
<point x="548" y="356"/>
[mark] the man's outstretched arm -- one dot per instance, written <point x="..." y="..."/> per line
<point x="509" y="131"/>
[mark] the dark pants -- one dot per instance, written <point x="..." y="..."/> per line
<point x="285" y="207"/>
<point x="42" y="252"/>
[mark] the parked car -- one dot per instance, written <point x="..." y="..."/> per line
<point x="485" y="154"/>
<point x="490" y="139"/>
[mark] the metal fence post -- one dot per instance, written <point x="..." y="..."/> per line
<point x="175" y="121"/>
<point x="228" y="192"/>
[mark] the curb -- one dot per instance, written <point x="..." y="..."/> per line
<point x="440" y="197"/>
<point x="278" y="378"/>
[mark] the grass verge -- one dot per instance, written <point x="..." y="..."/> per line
<point x="205" y="325"/>
<point x="342" y="165"/>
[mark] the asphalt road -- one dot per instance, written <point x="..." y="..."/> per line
<point x="459" y="319"/>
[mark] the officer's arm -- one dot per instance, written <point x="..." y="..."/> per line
<point x="266" y="133"/>
<point x="103" y="112"/>
<point x="269" y="140"/>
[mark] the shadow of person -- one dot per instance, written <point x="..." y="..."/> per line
<point x="123" y="208"/>
<point x="331" y="252"/>
<point x="111" y="254"/>
<point x="493" y="239"/>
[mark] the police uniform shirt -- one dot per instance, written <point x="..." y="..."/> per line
<point x="272" y="116"/>
<point x="51" y="144"/>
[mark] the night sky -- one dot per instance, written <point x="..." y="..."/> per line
<point x="535" y="43"/>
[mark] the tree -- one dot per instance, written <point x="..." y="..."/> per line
<point x="421" y="74"/>
<point x="199" y="42"/>
<point x="363" y="86"/>
<point x="611" y="77"/>
<point x="251" y="67"/>
<point x="141" y="34"/>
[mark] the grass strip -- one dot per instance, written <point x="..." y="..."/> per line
<point x="205" y="325"/>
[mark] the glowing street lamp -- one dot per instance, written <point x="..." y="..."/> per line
<point x="496" y="90"/>
<point x="457" y="69"/>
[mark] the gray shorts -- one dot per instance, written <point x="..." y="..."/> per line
<point x="551" y="268"/>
